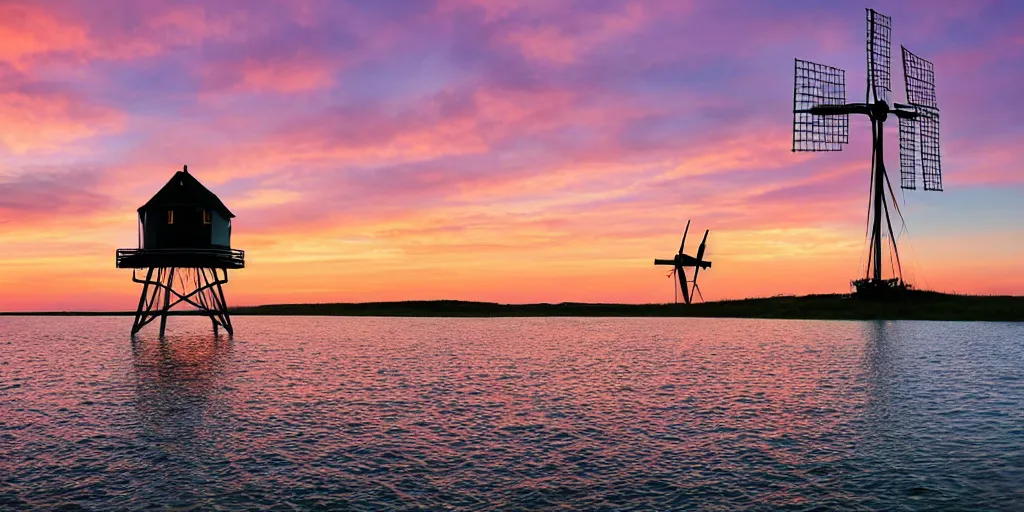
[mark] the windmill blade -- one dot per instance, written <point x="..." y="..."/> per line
<point x="879" y="61"/>
<point x="681" y="244"/>
<point x="931" y="164"/>
<point x="682" y="284"/>
<point x="700" y="256"/>
<point x="919" y="75"/>
<point x="910" y="158"/>
<point x="816" y="85"/>
<point x="703" y="244"/>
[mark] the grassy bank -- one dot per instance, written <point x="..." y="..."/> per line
<point x="916" y="305"/>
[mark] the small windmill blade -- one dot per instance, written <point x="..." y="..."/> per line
<point x="703" y="244"/>
<point x="700" y="260"/>
<point x="683" y="284"/>
<point x="683" y="243"/>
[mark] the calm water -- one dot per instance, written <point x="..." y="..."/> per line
<point x="485" y="414"/>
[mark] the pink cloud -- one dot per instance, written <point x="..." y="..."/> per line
<point x="28" y="31"/>
<point x="51" y="194"/>
<point x="281" y="76"/>
<point x="47" y="121"/>
<point x="35" y="34"/>
<point x="553" y="44"/>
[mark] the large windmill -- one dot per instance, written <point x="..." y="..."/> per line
<point x="821" y="122"/>
<point x="680" y="261"/>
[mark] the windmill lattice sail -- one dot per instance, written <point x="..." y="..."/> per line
<point x="879" y="57"/>
<point x="817" y="85"/>
<point x="922" y="133"/>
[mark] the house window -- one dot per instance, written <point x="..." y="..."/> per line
<point x="170" y="216"/>
<point x="207" y="218"/>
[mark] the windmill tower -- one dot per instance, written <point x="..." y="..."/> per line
<point x="680" y="261"/>
<point x="185" y="248"/>
<point x="821" y="122"/>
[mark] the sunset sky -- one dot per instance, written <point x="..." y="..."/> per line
<point x="490" y="149"/>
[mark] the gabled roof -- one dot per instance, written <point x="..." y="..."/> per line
<point x="184" y="189"/>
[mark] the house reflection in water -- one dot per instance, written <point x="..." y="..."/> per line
<point x="179" y="384"/>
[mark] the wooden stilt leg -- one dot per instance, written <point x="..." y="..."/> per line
<point x="167" y="301"/>
<point x="225" y="317"/>
<point x="141" y="310"/>
<point x="206" y="297"/>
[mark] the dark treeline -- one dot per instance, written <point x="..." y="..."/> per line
<point x="917" y="305"/>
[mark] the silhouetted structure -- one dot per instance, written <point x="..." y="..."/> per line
<point x="681" y="261"/>
<point x="185" y="242"/>
<point x="821" y="121"/>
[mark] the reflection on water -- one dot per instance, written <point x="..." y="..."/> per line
<point x="178" y="380"/>
<point x="880" y="368"/>
<point x="180" y="391"/>
<point x="944" y="411"/>
<point x="377" y="413"/>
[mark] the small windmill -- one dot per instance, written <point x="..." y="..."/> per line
<point x="821" y="122"/>
<point x="681" y="261"/>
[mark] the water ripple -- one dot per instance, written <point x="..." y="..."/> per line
<point x="498" y="414"/>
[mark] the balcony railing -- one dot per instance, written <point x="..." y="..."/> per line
<point x="181" y="258"/>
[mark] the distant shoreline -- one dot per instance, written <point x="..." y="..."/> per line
<point x="917" y="305"/>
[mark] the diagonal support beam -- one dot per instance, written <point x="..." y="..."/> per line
<point x="201" y="288"/>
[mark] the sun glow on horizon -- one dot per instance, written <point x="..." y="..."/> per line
<point x="504" y="152"/>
